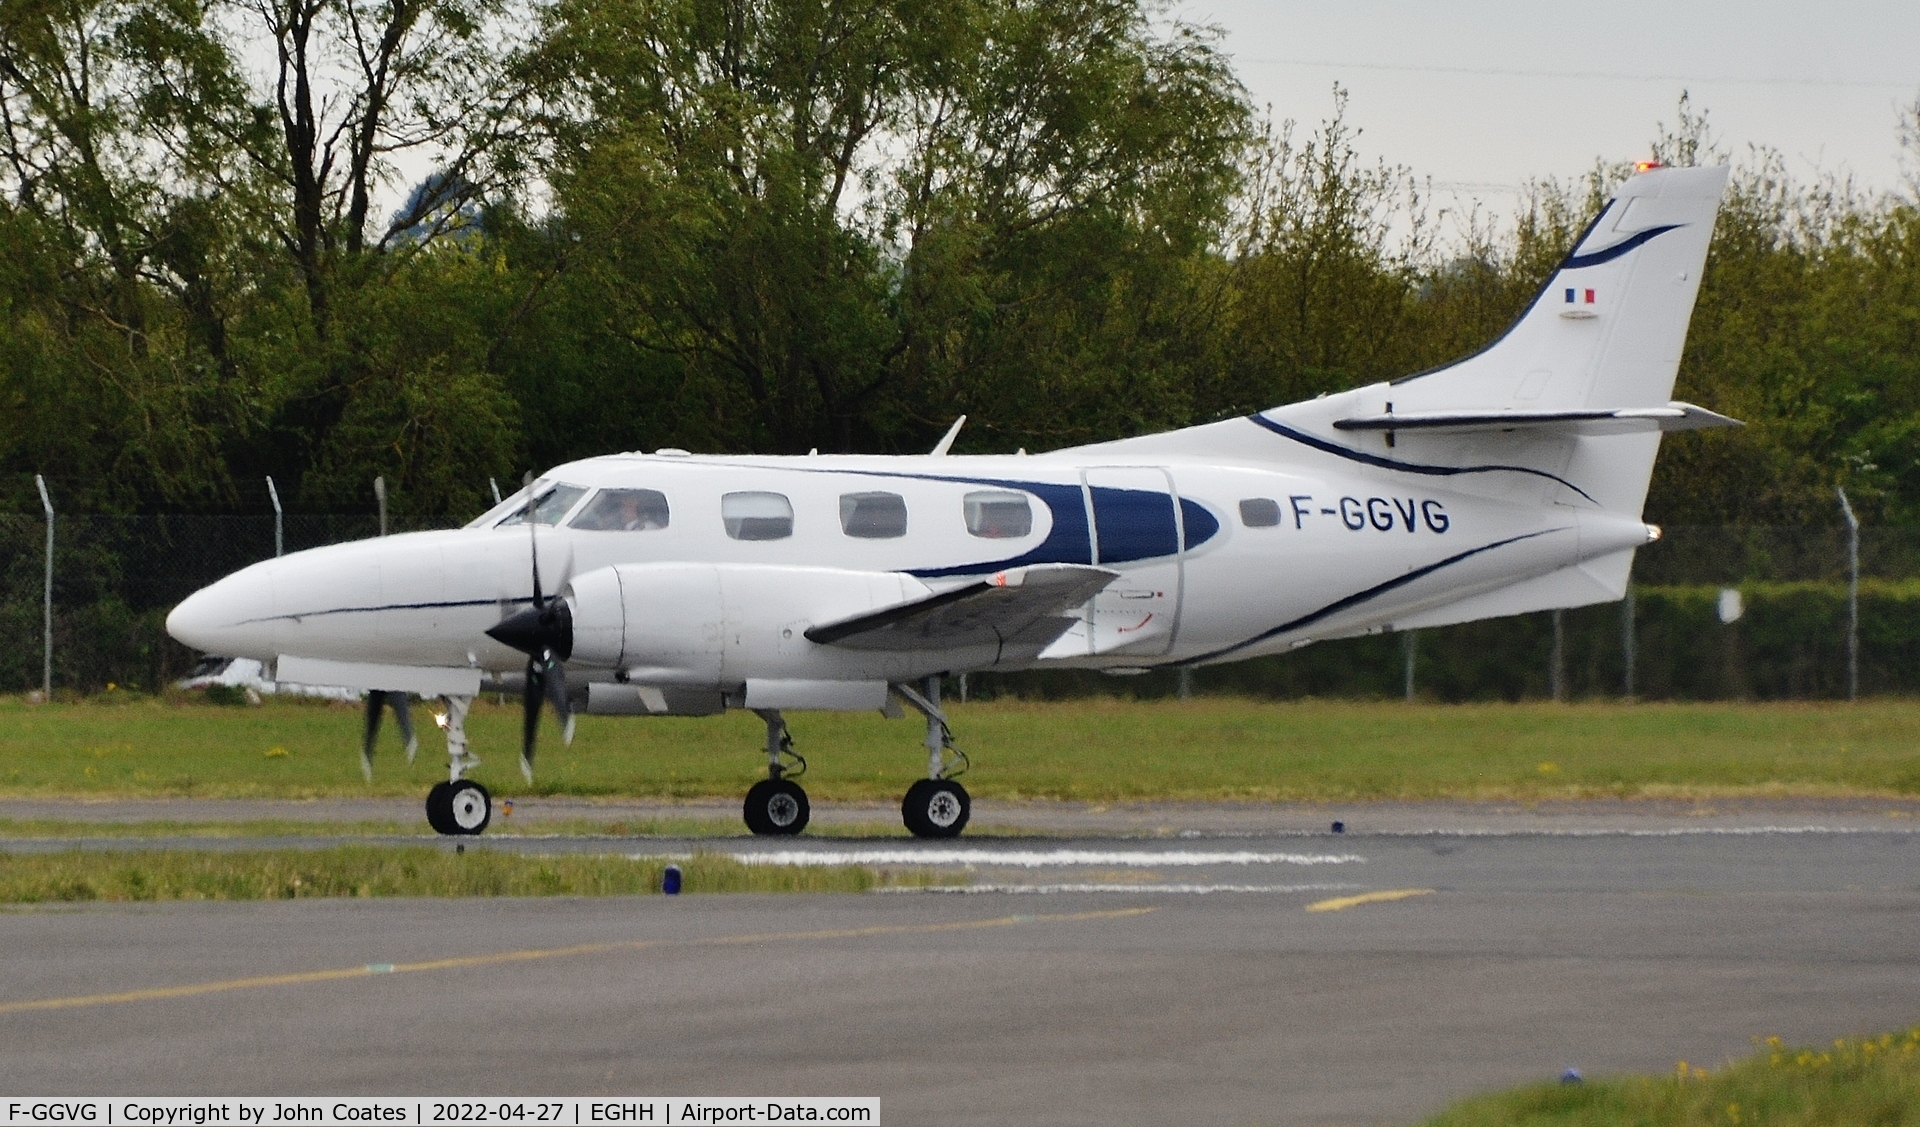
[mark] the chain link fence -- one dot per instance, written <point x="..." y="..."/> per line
<point x="115" y="579"/>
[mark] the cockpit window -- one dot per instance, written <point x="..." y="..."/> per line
<point x="873" y="516"/>
<point x="757" y="516"/>
<point x="552" y="505"/>
<point x="998" y="515"/>
<point x="623" y="510"/>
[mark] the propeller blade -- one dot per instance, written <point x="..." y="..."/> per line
<point x="403" y="715"/>
<point x="371" y="732"/>
<point x="557" y="693"/>
<point x="533" y="540"/>
<point x="530" y="714"/>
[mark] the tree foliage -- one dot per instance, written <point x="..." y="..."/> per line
<point x="446" y="240"/>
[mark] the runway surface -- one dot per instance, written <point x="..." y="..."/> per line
<point x="1254" y="976"/>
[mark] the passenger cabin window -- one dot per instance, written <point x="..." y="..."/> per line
<point x="551" y="506"/>
<point x="873" y="516"/>
<point x="1259" y="512"/>
<point x="757" y="516"/>
<point x="623" y="510"/>
<point x="998" y="515"/>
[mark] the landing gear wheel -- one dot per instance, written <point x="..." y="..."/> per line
<point x="439" y="810"/>
<point x="936" y="808"/>
<point x="776" y="806"/>
<point x="469" y="807"/>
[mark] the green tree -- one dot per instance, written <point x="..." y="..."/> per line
<point x="837" y="223"/>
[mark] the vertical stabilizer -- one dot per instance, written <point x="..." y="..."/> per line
<point x="1607" y="329"/>
<point x="1566" y="407"/>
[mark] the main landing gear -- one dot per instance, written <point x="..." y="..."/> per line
<point x="936" y="806"/>
<point x="459" y="805"/>
<point x="776" y="805"/>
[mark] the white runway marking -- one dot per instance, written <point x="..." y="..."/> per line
<point x="1184" y="889"/>
<point x="1664" y="831"/>
<point x="1038" y="858"/>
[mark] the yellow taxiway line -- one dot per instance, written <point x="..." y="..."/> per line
<point x="1340" y="902"/>
<point x="530" y="954"/>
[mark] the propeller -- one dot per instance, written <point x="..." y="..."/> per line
<point x="544" y="632"/>
<point x="376" y="699"/>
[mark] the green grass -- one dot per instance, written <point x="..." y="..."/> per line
<point x="1096" y="750"/>
<point x="1855" y="1081"/>
<point x="364" y="870"/>
<point x="16" y="829"/>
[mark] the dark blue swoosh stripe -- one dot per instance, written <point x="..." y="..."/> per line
<point x="1359" y="597"/>
<point x="1068" y="540"/>
<point x="1576" y="261"/>
<point x="1385" y="463"/>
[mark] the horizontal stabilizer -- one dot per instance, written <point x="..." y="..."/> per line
<point x="1022" y="606"/>
<point x="1599" y="420"/>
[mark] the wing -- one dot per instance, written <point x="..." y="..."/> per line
<point x="1019" y="609"/>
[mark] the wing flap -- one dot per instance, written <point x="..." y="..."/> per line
<point x="1021" y="606"/>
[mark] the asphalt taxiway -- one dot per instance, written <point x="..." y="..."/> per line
<point x="1256" y="975"/>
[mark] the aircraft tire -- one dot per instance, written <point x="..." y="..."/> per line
<point x="936" y="808"/>
<point x="440" y="810"/>
<point x="776" y="807"/>
<point x="469" y="807"/>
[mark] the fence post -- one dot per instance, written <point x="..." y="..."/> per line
<point x="46" y="602"/>
<point x="1409" y="646"/>
<point x="380" y="494"/>
<point x="1853" y="596"/>
<point x="279" y="537"/>
<point x="1627" y="641"/>
<point x="1557" y="673"/>
<point x="1186" y="682"/>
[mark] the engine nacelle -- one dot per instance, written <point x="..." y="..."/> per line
<point x="719" y="624"/>
<point x="660" y="622"/>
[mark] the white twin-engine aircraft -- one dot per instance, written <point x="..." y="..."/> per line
<point x="677" y="584"/>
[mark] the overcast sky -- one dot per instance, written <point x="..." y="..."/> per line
<point x="1481" y="95"/>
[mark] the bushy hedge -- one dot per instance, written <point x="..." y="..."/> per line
<point x="1791" y="643"/>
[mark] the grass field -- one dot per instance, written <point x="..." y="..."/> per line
<point x="364" y="870"/>
<point x="1853" y="1081"/>
<point x="1100" y="750"/>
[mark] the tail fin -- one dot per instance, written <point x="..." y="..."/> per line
<point x="1574" y="396"/>
<point x="1607" y="329"/>
<point x="1566" y="406"/>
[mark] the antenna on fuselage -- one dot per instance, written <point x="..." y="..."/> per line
<point x="946" y="443"/>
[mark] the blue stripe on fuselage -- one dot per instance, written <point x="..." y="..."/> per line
<point x="1067" y="541"/>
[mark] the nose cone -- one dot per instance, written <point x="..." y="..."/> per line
<point x="231" y="618"/>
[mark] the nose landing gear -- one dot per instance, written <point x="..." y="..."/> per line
<point x="458" y="806"/>
<point x="776" y="805"/>
<point x="462" y="807"/>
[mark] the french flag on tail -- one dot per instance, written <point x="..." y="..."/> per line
<point x="1580" y="296"/>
